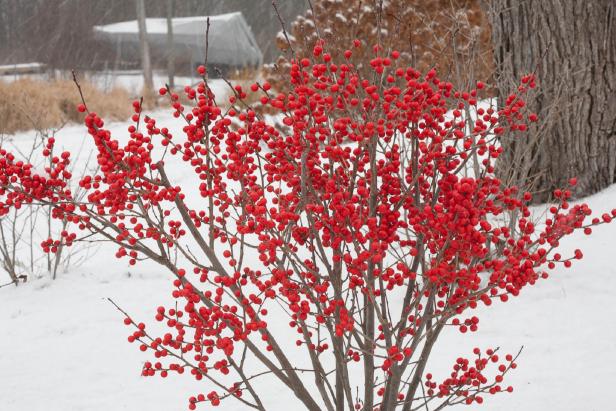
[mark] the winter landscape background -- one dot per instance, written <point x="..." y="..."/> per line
<point x="63" y="343"/>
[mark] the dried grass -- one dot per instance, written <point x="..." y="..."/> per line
<point x="26" y="104"/>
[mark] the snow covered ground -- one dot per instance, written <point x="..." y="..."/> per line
<point x="63" y="345"/>
<point x="132" y="80"/>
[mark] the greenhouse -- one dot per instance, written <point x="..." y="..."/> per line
<point x="231" y="43"/>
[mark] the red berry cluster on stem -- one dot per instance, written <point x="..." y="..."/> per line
<point x="370" y="218"/>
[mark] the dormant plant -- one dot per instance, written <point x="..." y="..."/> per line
<point x="357" y="223"/>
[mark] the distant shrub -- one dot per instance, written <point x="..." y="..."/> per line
<point x="441" y="34"/>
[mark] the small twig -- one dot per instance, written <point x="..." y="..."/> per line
<point x="83" y="100"/>
<point x="284" y="30"/>
<point x="207" y="42"/>
<point x="120" y="310"/>
<point x="22" y="277"/>
<point x="140" y="110"/>
<point x="7" y="284"/>
<point x="314" y="18"/>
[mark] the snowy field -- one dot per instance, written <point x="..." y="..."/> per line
<point x="63" y="345"/>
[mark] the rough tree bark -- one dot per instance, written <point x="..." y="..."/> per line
<point x="571" y="46"/>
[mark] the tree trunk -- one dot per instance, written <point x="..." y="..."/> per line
<point x="571" y="46"/>
<point x="146" y="64"/>
<point x="170" y="48"/>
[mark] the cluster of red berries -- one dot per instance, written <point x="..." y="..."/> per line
<point x="356" y="195"/>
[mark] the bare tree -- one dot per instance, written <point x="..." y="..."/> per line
<point x="570" y="47"/>
<point x="146" y="64"/>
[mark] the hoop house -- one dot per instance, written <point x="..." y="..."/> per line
<point x="231" y="42"/>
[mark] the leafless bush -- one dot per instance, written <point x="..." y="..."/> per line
<point x="25" y="230"/>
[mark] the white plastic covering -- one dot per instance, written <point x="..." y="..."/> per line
<point x="231" y="41"/>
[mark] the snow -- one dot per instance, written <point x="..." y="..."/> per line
<point x="64" y="347"/>
<point x="340" y="17"/>
<point x="22" y="68"/>
<point x="132" y="80"/>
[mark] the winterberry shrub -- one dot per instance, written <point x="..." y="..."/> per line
<point x="370" y="223"/>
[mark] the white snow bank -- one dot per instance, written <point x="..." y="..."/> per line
<point x="63" y="345"/>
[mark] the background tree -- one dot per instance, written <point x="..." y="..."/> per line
<point x="570" y="45"/>
<point x="170" y="50"/>
<point x="146" y="64"/>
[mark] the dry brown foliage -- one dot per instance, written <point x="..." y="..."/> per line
<point x="452" y="36"/>
<point x="26" y="104"/>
